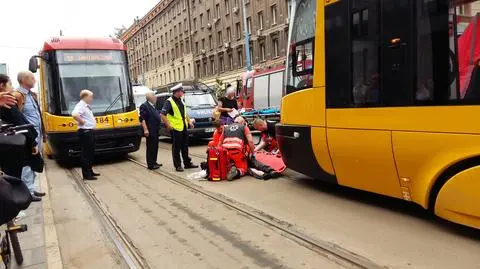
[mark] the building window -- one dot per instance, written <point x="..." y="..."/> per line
<point x="229" y="34"/>
<point x="221" y="63"/>
<point x="249" y="25"/>
<point x="230" y="61"/>
<point x="185" y="4"/>
<point x="203" y="43"/>
<point x="197" y="51"/>
<point x="212" y="65"/>
<point x="208" y="15"/>
<point x="252" y="58"/>
<point x="235" y="3"/>
<point x="219" y="38"/>
<point x="201" y="20"/>
<point x="185" y="24"/>
<point x="184" y="75"/>
<point x="240" y="58"/>
<point x="275" y="47"/>
<point x="260" y="20"/>
<point x="218" y="11"/>
<point x="187" y="46"/>
<point x="227" y="6"/>
<point x="239" y="30"/>
<point x="205" y="71"/>
<point x="195" y="24"/>
<point x="210" y="42"/>
<point x="262" y="52"/>
<point x="274" y="14"/>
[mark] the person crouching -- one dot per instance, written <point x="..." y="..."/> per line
<point x="238" y="142"/>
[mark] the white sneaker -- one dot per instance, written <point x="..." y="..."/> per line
<point x="20" y="215"/>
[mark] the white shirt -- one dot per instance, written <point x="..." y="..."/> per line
<point x="83" y="110"/>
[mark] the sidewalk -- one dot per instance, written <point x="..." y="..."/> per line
<point x="39" y="244"/>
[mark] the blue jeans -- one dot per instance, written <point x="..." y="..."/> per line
<point x="28" y="175"/>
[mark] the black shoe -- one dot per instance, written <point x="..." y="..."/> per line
<point x="155" y="167"/>
<point x="191" y="166"/>
<point x="95" y="174"/>
<point x="179" y="169"/>
<point x="39" y="194"/>
<point x="36" y="198"/>
<point x="159" y="164"/>
<point x="90" y="178"/>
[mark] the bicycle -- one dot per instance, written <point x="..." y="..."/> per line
<point x="11" y="238"/>
<point x="10" y="241"/>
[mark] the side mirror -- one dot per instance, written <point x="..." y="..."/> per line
<point x="33" y="64"/>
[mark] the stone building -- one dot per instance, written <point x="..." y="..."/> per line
<point x="204" y="39"/>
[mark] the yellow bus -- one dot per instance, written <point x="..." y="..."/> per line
<point x="68" y="65"/>
<point x="382" y="95"/>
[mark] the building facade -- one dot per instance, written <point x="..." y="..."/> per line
<point x="204" y="40"/>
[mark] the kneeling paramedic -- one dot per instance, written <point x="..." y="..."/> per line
<point x="238" y="141"/>
<point x="174" y="115"/>
<point x="268" y="141"/>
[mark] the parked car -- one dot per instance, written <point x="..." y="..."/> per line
<point x="201" y="102"/>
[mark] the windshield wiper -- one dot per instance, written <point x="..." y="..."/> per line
<point x="119" y="97"/>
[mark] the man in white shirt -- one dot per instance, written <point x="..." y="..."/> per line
<point x="82" y="113"/>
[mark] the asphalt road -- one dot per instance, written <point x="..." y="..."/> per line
<point x="175" y="227"/>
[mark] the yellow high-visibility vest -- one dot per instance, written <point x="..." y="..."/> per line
<point x="176" y="121"/>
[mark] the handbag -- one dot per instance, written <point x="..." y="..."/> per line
<point x="14" y="197"/>
<point x="37" y="163"/>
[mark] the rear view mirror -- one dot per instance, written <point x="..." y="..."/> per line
<point x="33" y="64"/>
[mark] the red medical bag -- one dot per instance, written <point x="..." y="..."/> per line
<point x="218" y="163"/>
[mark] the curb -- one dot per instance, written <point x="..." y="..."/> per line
<point x="52" y="250"/>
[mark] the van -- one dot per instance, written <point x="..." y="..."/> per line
<point x="200" y="101"/>
<point x="139" y="92"/>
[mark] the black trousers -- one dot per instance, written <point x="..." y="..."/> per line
<point x="180" y="144"/>
<point x="87" y="144"/>
<point x="152" y="149"/>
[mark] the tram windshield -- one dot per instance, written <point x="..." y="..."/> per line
<point x="103" y="72"/>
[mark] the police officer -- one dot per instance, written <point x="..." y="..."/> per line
<point x="174" y="115"/>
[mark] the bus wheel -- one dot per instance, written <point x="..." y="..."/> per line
<point x="458" y="199"/>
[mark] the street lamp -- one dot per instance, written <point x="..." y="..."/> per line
<point x="247" y="37"/>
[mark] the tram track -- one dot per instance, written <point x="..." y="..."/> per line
<point x="125" y="247"/>
<point x="331" y="251"/>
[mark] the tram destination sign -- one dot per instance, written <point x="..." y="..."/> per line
<point x="85" y="56"/>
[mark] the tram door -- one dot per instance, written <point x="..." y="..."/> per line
<point x="358" y="134"/>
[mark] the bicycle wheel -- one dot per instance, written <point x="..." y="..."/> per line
<point x="17" y="250"/>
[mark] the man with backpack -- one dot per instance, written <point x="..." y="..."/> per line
<point x="27" y="102"/>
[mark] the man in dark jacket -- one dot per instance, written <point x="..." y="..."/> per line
<point x="150" y="118"/>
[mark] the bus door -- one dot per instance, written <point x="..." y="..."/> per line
<point x="360" y="143"/>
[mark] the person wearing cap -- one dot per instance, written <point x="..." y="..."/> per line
<point x="174" y="115"/>
<point x="227" y="105"/>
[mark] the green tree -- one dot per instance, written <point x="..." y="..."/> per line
<point x="119" y="31"/>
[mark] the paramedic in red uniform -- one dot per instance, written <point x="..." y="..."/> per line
<point x="238" y="141"/>
<point x="269" y="141"/>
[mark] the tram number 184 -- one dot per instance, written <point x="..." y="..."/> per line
<point x="102" y="120"/>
